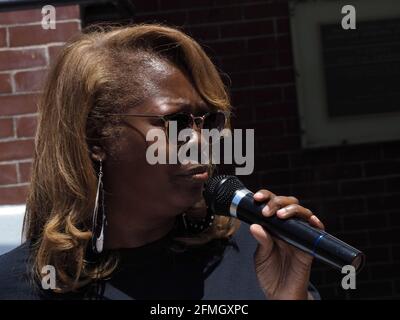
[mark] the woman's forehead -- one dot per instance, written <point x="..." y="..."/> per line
<point x="165" y="104"/>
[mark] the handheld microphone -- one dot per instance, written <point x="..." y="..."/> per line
<point x="226" y="195"/>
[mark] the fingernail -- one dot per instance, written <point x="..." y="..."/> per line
<point x="266" y="211"/>
<point x="316" y="219"/>
<point x="281" y="212"/>
<point x="258" y="194"/>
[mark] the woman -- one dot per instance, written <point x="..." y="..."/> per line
<point x="112" y="226"/>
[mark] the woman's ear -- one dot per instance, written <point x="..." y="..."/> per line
<point x="97" y="153"/>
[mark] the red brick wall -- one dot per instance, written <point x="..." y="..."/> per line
<point x="354" y="189"/>
<point x="26" y="51"/>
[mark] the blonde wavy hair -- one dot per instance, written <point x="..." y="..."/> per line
<point x="91" y="77"/>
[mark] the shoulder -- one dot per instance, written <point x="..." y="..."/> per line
<point x="15" y="282"/>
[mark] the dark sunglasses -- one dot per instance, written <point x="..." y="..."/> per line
<point x="185" y="120"/>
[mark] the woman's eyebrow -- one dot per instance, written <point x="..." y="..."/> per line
<point x="190" y="106"/>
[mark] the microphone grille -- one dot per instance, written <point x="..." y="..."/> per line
<point x="219" y="192"/>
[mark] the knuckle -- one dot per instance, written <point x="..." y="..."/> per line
<point x="278" y="201"/>
<point x="265" y="192"/>
<point x="294" y="199"/>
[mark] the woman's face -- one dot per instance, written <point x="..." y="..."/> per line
<point x="165" y="189"/>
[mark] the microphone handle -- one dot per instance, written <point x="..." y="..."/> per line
<point x="298" y="233"/>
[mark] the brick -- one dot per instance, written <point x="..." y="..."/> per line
<point x="273" y="161"/>
<point x="365" y="221"/>
<point x="256" y="96"/>
<point x="385" y="237"/>
<point x="273" y="76"/>
<point x="285" y="59"/>
<point x="5" y="83"/>
<point x="13" y="195"/>
<point x="203" y="32"/>
<point x="244" y="29"/>
<point x="241" y="115"/>
<point x="171" y="18"/>
<point x="181" y="4"/>
<point x="378" y="168"/>
<point x="382" y="202"/>
<point x="264" y="95"/>
<point x="358" y="239"/>
<point x="283" y="25"/>
<point x="289" y="176"/>
<point x="314" y="157"/>
<point x="391" y="150"/>
<point x="224" y="48"/>
<point x="29" y="81"/>
<point x="394" y="219"/>
<point x="18" y="59"/>
<point x="240" y="79"/>
<point x="248" y="62"/>
<point x="35" y="15"/>
<point x="8" y="174"/>
<point x="265" y="10"/>
<point x="362" y="187"/>
<point x="289" y="93"/>
<point x="372" y="290"/>
<point x="276" y="110"/>
<point x="67" y="12"/>
<point x="396" y="252"/>
<point x="14" y="150"/>
<point x="35" y="35"/>
<point x="292" y="126"/>
<point x="149" y="5"/>
<point x="377" y="254"/>
<point x="332" y="172"/>
<point x="26" y="126"/>
<point x="344" y="206"/>
<point x="25" y="171"/>
<point x="210" y="15"/>
<point x="6" y="128"/>
<point x="393" y="184"/>
<point x="262" y="44"/>
<point x="277" y="144"/>
<point x="359" y="153"/>
<point x="53" y="53"/>
<point x="18" y="104"/>
<point x="270" y="128"/>
<point x="333" y="223"/>
<point x="284" y="43"/>
<point x="20" y="16"/>
<point x="385" y="271"/>
<point x="3" y="37"/>
<point x="315" y="190"/>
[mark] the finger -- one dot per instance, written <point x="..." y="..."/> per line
<point x="300" y="212"/>
<point x="314" y="221"/>
<point x="262" y="237"/>
<point x="277" y="202"/>
<point x="263" y="195"/>
<point x="294" y="210"/>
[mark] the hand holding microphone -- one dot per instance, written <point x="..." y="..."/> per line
<point x="288" y="234"/>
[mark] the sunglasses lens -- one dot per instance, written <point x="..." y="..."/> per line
<point x="183" y="121"/>
<point x="214" y="120"/>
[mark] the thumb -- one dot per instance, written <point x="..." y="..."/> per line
<point x="264" y="239"/>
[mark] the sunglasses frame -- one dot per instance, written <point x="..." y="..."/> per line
<point x="166" y="117"/>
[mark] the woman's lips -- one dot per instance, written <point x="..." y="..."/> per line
<point x="199" y="174"/>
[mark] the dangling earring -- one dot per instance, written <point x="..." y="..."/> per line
<point x="98" y="237"/>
